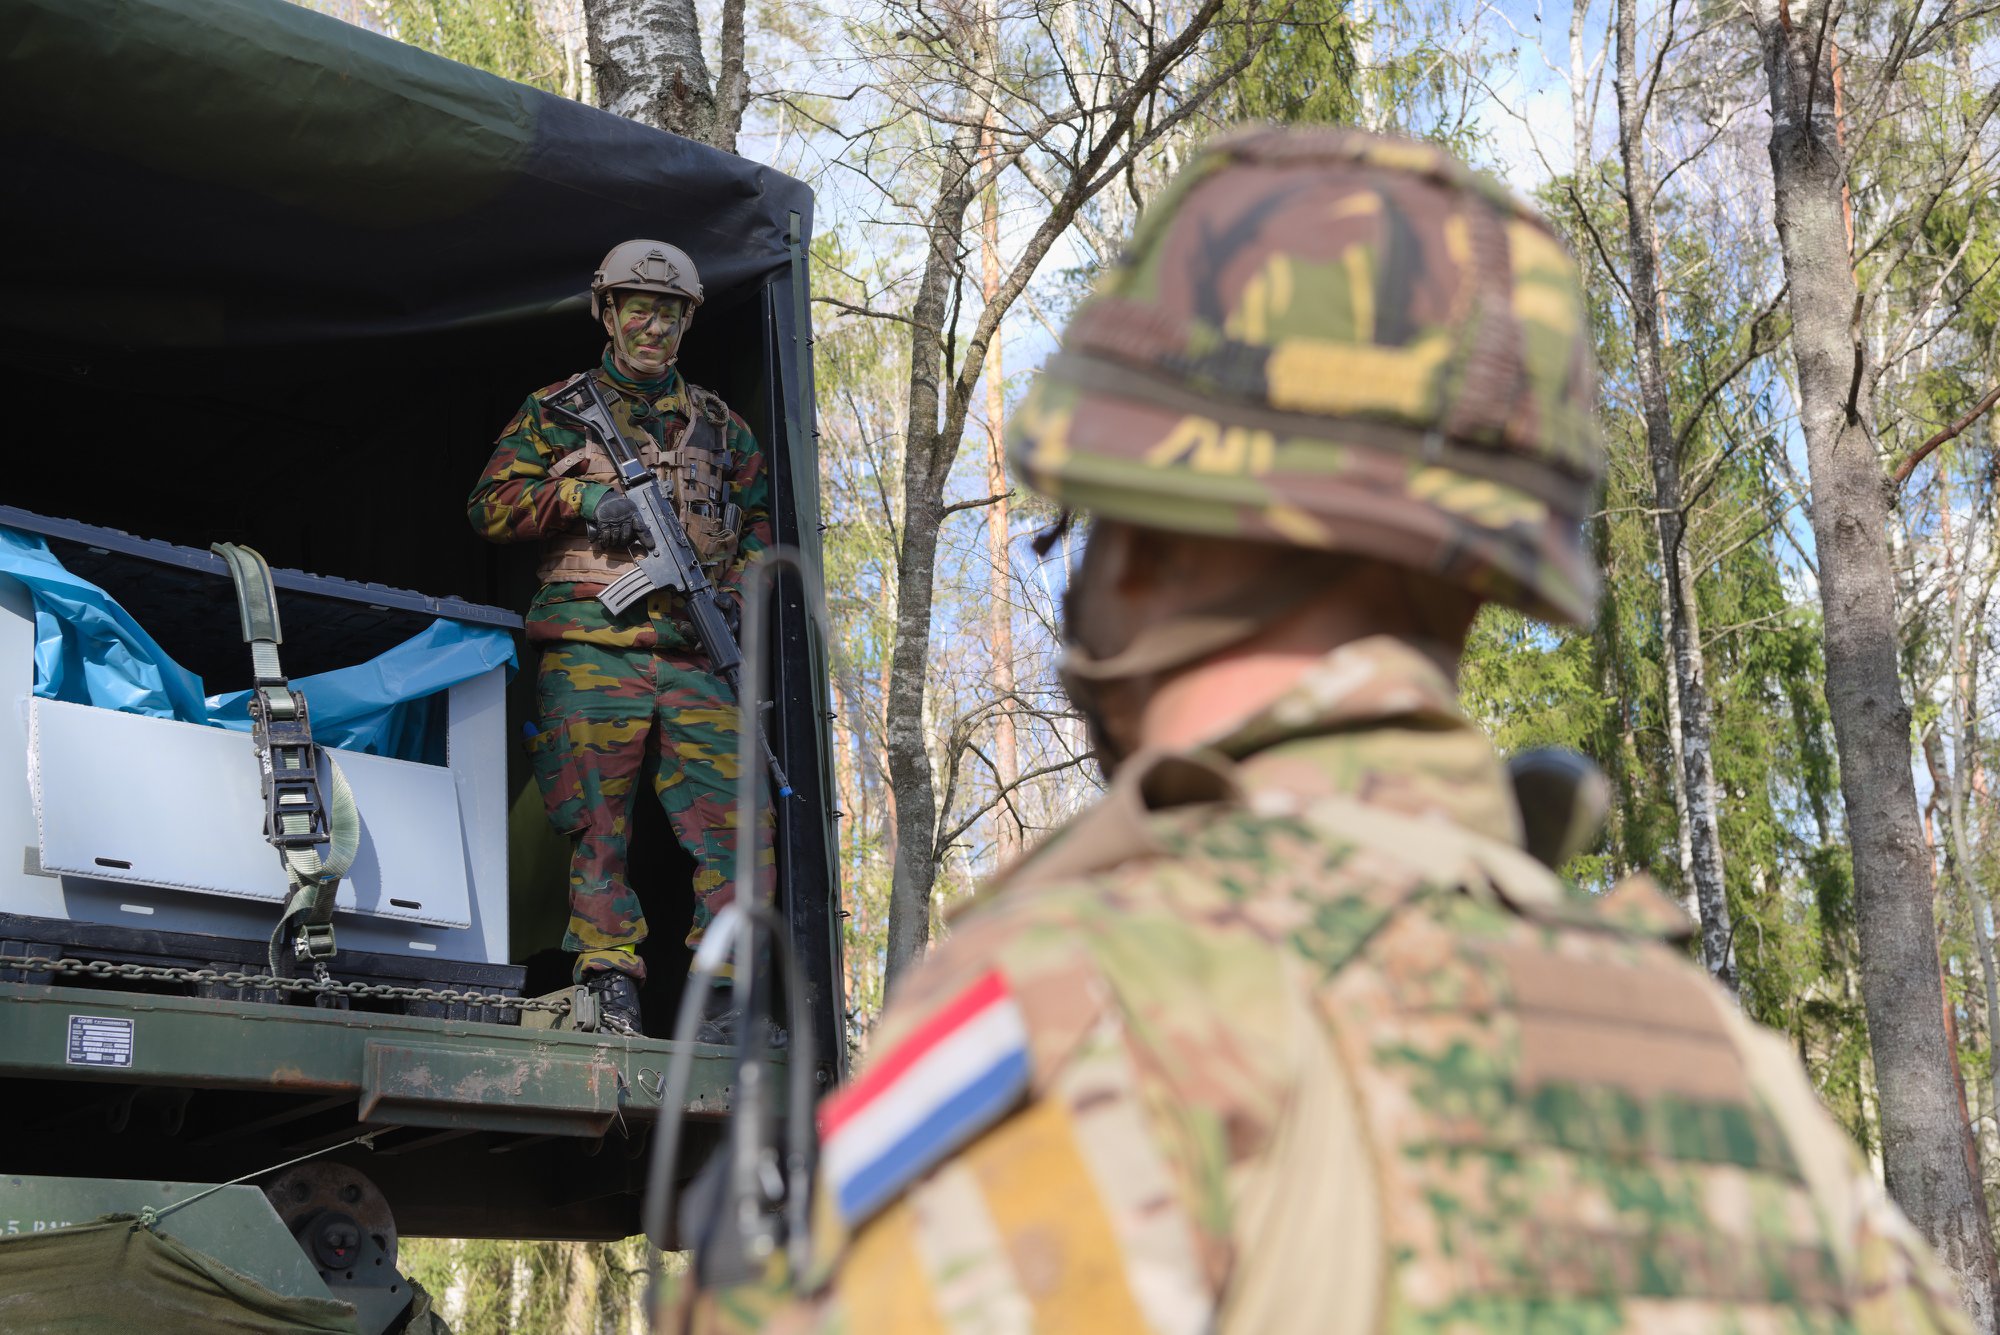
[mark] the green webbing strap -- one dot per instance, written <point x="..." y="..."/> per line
<point x="296" y="821"/>
<point x="316" y="876"/>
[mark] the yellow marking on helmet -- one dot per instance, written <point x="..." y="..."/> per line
<point x="1547" y="305"/>
<point x="1239" y="451"/>
<point x="1361" y="204"/>
<point x="1458" y="240"/>
<point x="1544" y="280"/>
<point x="1267" y="294"/>
<point x="1361" y="292"/>
<point x="1552" y="305"/>
<point x="1049" y="431"/>
<point x="1280" y="269"/>
<point x="1297" y="525"/>
<point x="1534" y="251"/>
<point x="1419" y="158"/>
<point x="1487" y="504"/>
<point x="1261" y="453"/>
<point x="881" y="1278"/>
<point x="1059" y="1236"/>
<point x="1190" y="435"/>
<point x="1250" y="321"/>
<point x="1210" y="448"/>
<point x="1318" y="376"/>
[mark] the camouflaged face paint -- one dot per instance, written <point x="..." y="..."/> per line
<point x="646" y="330"/>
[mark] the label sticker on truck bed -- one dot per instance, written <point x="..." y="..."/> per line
<point x="99" y="1040"/>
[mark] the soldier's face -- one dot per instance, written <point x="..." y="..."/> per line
<point x="646" y="330"/>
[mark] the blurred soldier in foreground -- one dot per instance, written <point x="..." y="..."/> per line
<point x="1291" y="1032"/>
<point x="632" y="693"/>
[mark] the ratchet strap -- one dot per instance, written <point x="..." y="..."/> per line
<point x="316" y="834"/>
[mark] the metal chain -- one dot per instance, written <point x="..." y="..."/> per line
<point x="165" y="973"/>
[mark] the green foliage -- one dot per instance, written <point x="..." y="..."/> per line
<point x="1300" y="60"/>
<point x="1530" y="686"/>
<point x="490" y="1287"/>
<point x="503" y="37"/>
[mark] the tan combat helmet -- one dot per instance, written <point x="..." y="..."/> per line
<point x="645" y="266"/>
<point x="1336" y="340"/>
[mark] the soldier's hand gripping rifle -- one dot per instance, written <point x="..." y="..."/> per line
<point x="669" y="560"/>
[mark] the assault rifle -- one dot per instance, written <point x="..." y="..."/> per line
<point x="669" y="560"/>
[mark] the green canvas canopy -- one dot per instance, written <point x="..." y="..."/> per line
<point x="253" y="175"/>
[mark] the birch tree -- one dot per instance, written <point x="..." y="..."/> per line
<point x="646" y="57"/>
<point x="1689" y="706"/>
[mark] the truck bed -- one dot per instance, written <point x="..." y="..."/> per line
<point x="480" y="1129"/>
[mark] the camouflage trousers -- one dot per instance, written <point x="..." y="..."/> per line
<point x="604" y="713"/>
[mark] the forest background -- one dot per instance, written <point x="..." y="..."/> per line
<point x="1788" y="216"/>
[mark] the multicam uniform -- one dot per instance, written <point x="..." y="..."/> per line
<point x="1312" y="1044"/>
<point x="614" y="690"/>
<point x="1289" y="1033"/>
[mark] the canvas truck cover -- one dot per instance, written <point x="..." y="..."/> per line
<point x="203" y="157"/>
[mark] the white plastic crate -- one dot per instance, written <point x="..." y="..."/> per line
<point x="130" y="821"/>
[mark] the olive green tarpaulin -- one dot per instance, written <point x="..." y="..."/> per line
<point x="252" y="173"/>
<point x="114" y="1277"/>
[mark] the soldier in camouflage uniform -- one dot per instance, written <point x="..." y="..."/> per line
<point x="1290" y="1032"/>
<point x="628" y="696"/>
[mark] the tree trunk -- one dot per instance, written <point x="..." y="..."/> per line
<point x="580" y="1290"/>
<point x="646" y="58"/>
<point x="1676" y="774"/>
<point x="927" y="460"/>
<point x="1963" y="703"/>
<point x="732" y="81"/>
<point x="1580" y="107"/>
<point x="1364" y="66"/>
<point x="999" y="588"/>
<point x="1922" y="1132"/>
<point x="1695" y="759"/>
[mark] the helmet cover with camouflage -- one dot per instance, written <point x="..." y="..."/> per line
<point x="1334" y="340"/>
<point x="645" y="266"/>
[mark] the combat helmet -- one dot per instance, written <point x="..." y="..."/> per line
<point x="1342" y="341"/>
<point x="645" y="266"/>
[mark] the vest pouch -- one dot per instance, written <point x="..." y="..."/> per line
<point x="712" y="536"/>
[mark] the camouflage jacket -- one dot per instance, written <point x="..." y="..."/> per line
<point x="1291" y="1035"/>
<point x="517" y="501"/>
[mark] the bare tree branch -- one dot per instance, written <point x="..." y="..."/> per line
<point x="1952" y="432"/>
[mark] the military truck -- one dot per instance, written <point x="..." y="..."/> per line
<point x="279" y="281"/>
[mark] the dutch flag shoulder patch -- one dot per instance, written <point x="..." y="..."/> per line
<point x="951" y="1078"/>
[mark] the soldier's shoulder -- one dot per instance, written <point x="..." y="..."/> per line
<point x="1026" y="986"/>
<point x="717" y="410"/>
<point x="556" y="386"/>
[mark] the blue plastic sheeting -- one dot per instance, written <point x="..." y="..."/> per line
<point x="88" y="650"/>
<point x="391" y="705"/>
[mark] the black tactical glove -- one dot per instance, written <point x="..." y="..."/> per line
<point x="731" y="607"/>
<point x="616" y="524"/>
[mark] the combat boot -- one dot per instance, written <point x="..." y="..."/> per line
<point x="720" y="1017"/>
<point x="617" y="1002"/>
